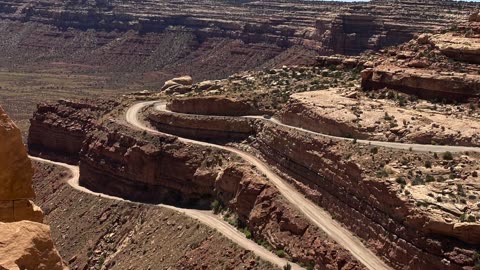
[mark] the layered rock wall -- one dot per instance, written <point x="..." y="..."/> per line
<point x="354" y="28"/>
<point x="213" y="106"/>
<point x="58" y="130"/>
<point x="343" y="189"/>
<point x="160" y="168"/>
<point x="423" y="83"/>
<point x="202" y="127"/>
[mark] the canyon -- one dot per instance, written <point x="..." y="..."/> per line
<point x="240" y="134"/>
<point x="76" y="49"/>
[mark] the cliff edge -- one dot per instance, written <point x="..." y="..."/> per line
<point x="25" y="242"/>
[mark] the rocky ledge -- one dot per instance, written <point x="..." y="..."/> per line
<point x="420" y="226"/>
<point x="119" y="161"/>
<point x="345" y="113"/>
<point x="25" y="242"/>
<point x="67" y="124"/>
<point x="424" y="66"/>
<point x="423" y="83"/>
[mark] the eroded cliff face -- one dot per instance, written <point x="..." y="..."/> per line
<point x="26" y="243"/>
<point x="437" y="66"/>
<point x="202" y="127"/>
<point x="67" y="124"/>
<point x="138" y="166"/>
<point x="167" y="35"/>
<point x="213" y="106"/>
<point x="392" y="224"/>
<point x="343" y="188"/>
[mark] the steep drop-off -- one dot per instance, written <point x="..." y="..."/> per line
<point x="161" y="169"/>
<point x="67" y="124"/>
<point x="340" y="181"/>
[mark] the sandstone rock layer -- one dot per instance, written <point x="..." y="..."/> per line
<point x="25" y="243"/>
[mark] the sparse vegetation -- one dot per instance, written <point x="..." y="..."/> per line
<point x="428" y="164"/>
<point x="382" y="173"/>
<point x="217" y="206"/>
<point x="447" y="156"/>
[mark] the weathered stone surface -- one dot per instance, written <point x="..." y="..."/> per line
<point x="25" y="243"/>
<point x="458" y="47"/>
<point x="474" y="17"/>
<point x="59" y="129"/>
<point x="424" y="83"/>
<point x="28" y="245"/>
<point x="179" y="85"/>
<point x="17" y="210"/>
<point x="162" y="169"/>
<point x="333" y="112"/>
<point x="15" y="166"/>
<point x="204" y="128"/>
<point x="212" y="106"/>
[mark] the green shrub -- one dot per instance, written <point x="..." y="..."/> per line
<point x="418" y="181"/>
<point x="428" y="164"/>
<point x="374" y="150"/>
<point x="401" y="180"/>
<point x="382" y="174"/>
<point x="430" y="178"/>
<point x="280" y="253"/>
<point x="447" y="156"/>
<point x="247" y="233"/>
<point x="217" y="206"/>
<point x="287" y="267"/>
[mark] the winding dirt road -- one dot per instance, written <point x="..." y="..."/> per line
<point x="205" y="217"/>
<point x="317" y="215"/>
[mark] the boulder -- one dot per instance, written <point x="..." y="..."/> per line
<point x="184" y="80"/>
<point x="424" y="39"/>
<point x="28" y="245"/>
<point x="206" y="85"/>
<point x="178" y="85"/>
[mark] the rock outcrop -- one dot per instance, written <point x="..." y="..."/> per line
<point x="25" y="242"/>
<point x="213" y="106"/>
<point x="28" y="245"/>
<point x="15" y="176"/>
<point x="203" y="128"/>
<point x="423" y="66"/>
<point x="333" y="112"/>
<point x="423" y="83"/>
<point x="350" y="190"/>
<point x="179" y="85"/>
<point x="143" y="167"/>
<point x="15" y="166"/>
<point x="460" y="47"/>
<point x="59" y="129"/>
